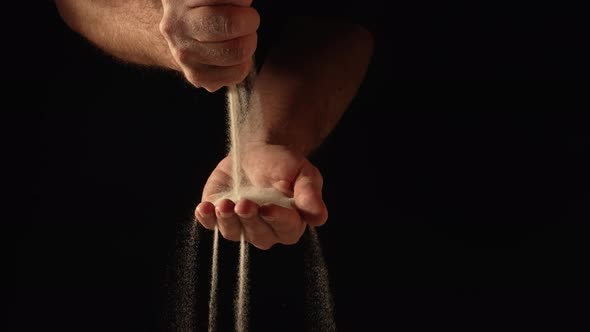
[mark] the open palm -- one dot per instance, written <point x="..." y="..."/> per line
<point x="265" y="167"/>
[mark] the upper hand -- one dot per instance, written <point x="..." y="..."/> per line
<point x="265" y="166"/>
<point x="211" y="40"/>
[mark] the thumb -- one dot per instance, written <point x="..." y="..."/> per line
<point x="308" y="195"/>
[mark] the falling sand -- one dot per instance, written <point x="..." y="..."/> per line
<point x="238" y="103"/>
<point x="213" y="291"/>
<point x="320" y="307"/>
<point x="186" y="277"/>
<point x="241" y="301"/>
<point x="319" y="297"/>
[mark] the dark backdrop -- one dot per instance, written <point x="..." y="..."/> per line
<point x="457" y="182"/>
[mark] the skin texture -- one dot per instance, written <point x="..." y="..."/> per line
<point x="211" y="41"/>
<point x="300" y="103"/>
<point x="266" y="166"/>
<point x="305" y="85"/>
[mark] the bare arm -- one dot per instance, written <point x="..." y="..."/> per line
<point x="307" y="82"/>
<point x="126" y="29"/>
<point x="305" y="85"/>
<point x="210" y="41"/>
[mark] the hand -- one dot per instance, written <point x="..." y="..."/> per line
<point x="211" y="40"/>
<point x="265" y="166"/>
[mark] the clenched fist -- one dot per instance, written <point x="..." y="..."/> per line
<point x="211" y="40"/>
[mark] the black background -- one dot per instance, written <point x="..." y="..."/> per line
<point x="457" y="182"/>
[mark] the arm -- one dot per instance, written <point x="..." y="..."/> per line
<point x="210" y="41"/>
<point x="307" y="82"/>
<point x="126" y="29"/>
<point x="305" y="85"/>
<point x="308" y="79"/>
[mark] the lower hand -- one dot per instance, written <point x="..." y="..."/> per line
<point x="265" y="166"/>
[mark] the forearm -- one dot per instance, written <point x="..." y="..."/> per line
<point x="307" y="82"/>
<point x="127" y="29"/>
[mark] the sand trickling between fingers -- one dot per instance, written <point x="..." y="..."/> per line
<point x="241" y="298"/>
<point x="213" y="290"/>
<point x="320" y="316"/>
<point x="186" y="276"/>
<point x="319" y="304"/>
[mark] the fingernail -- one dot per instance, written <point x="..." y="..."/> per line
<point x="222" y="214"/>
<point x="203" y="214"/>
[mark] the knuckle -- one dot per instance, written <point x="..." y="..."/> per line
<point x="193" y="77"/>
<point x="212" y="54"/>
<point x="196" y="79"/>
<point x="228" y="27"/>
<point x="214" y="25"/>
<point x="234" y="52"/>
<point x="230" y="53"/>
<point x="166" y="26"/>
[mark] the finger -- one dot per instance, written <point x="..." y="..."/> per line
<point x="285" y="222"/>
<point x="205" y="214"/>
<point x="233" y="52"/>
<point x="213" y="78"/>
<point x="308" y="196"/>
<point x="221" y="23"/>
<point x="257" y="231"/>
<point x="229" y="224"/>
